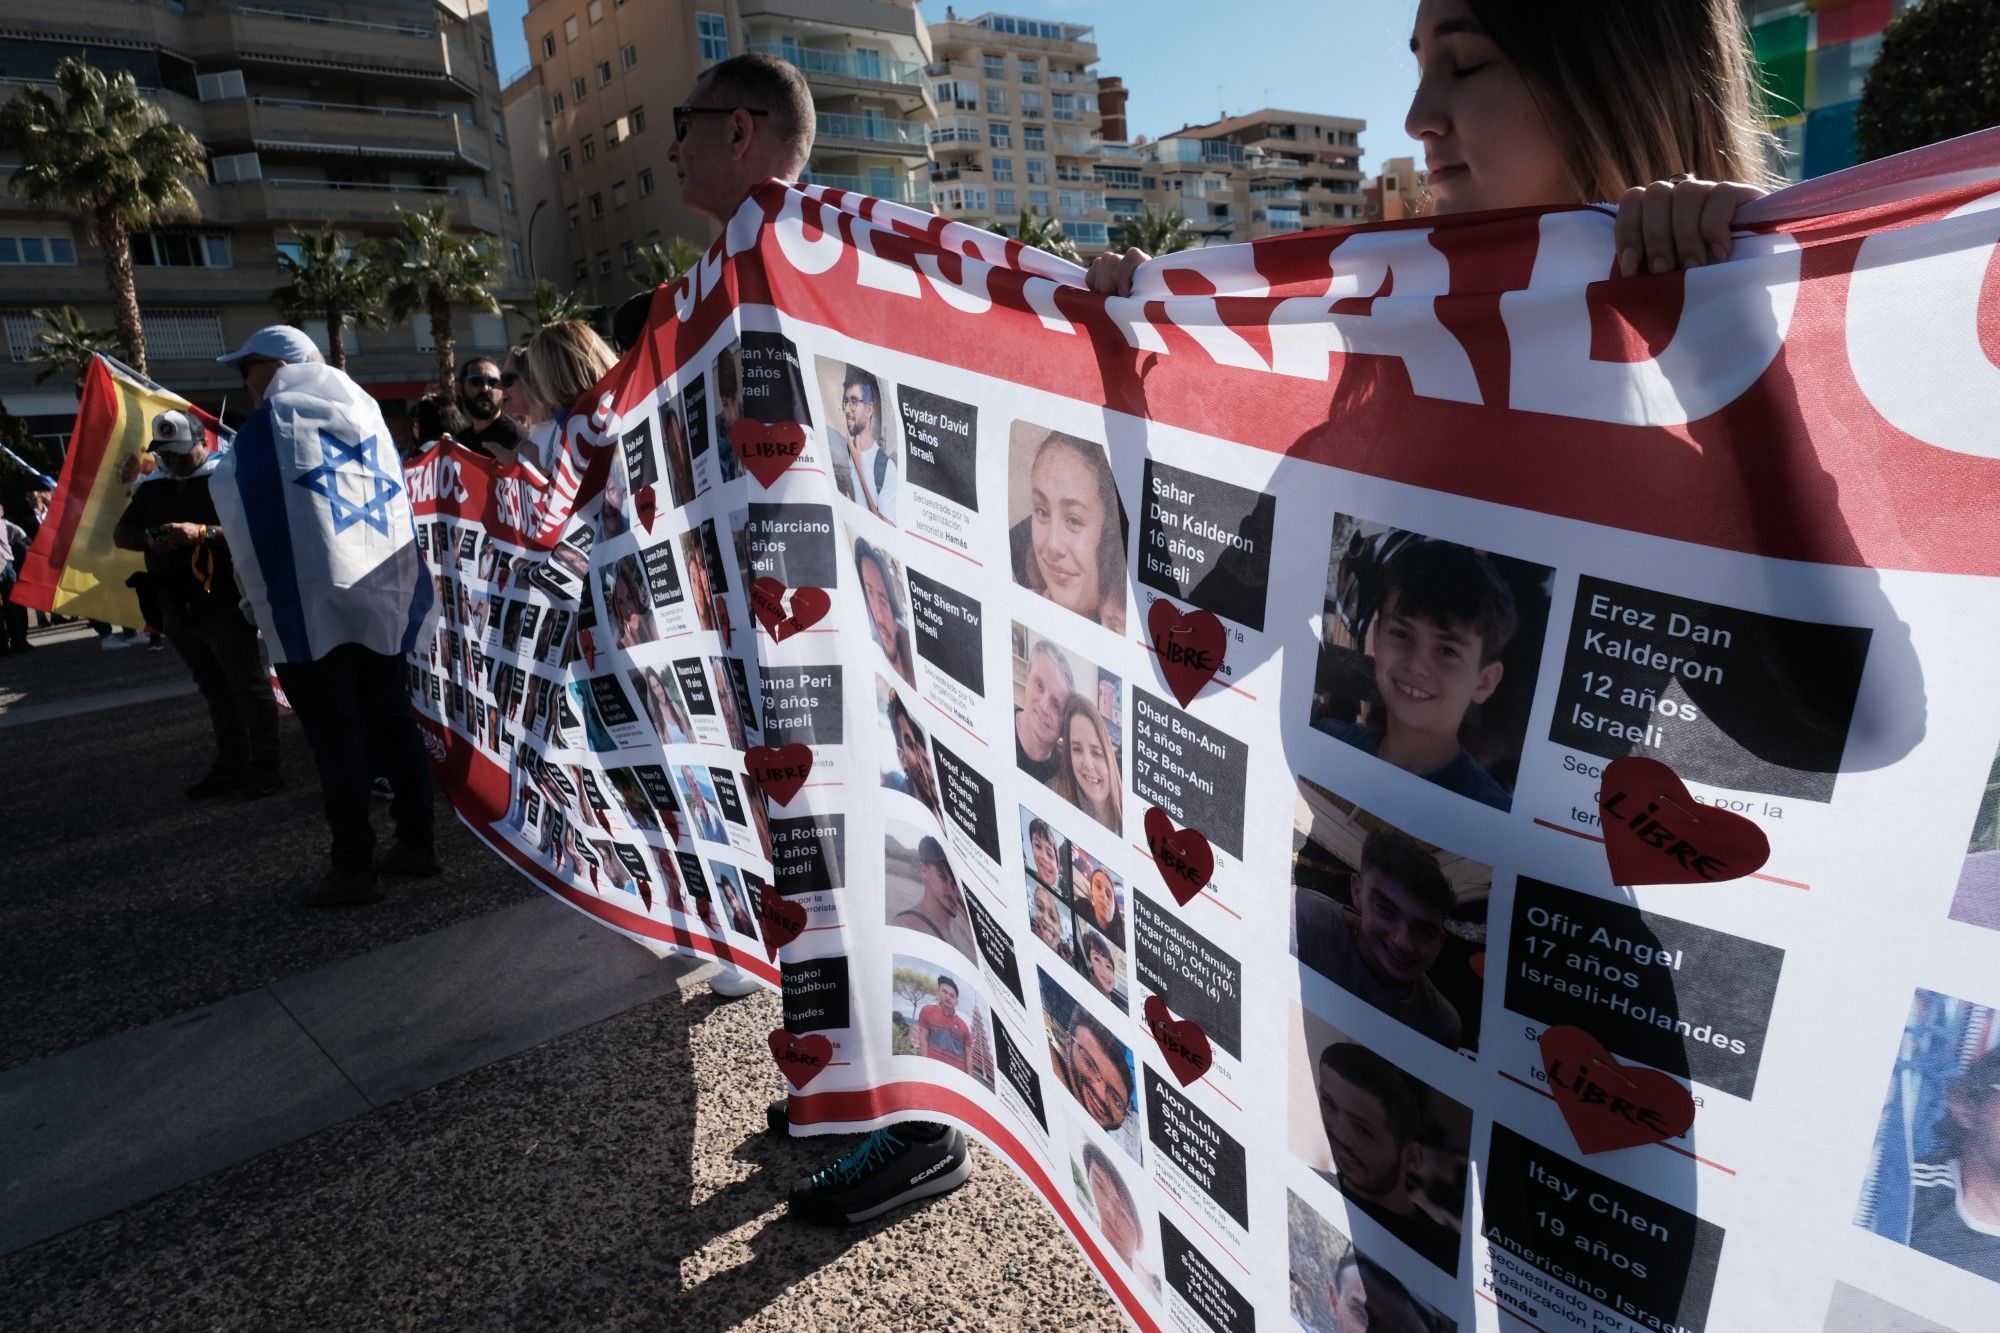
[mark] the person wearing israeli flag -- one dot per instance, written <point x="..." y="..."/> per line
<point x="311" y="500"/>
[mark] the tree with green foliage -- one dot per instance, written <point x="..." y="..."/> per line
<point x="664" y="263"/>
<point x="95" y="148"/>
<point x="64" y="344"/>
<point x="1048" y="236"/>
<point x="429" y="268"/>
<point x="1159" y="233"/>
<point x="552" y="305"/>
<point x="1937" y="77"/>
<point x="334" y="280"/>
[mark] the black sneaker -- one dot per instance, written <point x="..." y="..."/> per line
<point x="261" y="782"/>
<point x="218" y="782"/>
<point x="778" y="1117"/>
<point x="889" y="1168"/>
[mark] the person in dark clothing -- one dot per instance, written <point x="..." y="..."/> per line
<point x="173" y="520"/>
<point x="14" y="543"/>
<point x="493" y="432"/>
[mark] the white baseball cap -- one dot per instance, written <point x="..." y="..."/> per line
<point x="277" y="342"/>
<point x="175" y="432"/>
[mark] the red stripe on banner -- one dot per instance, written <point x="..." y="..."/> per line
<point x="1844" y="487"/>
<point x="850" y="1107"/>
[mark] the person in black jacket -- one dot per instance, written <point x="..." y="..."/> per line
<point x="172" y="519"/>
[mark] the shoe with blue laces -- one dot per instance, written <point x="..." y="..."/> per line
<point x="889" y="1168"/>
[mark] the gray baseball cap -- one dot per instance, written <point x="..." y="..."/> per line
<point x="277" y="342"/>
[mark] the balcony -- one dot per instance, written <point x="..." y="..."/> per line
<point x="1075" y="145"/>
<point x="273" y="37"/>
<point x="1074" y="42"/>
<point x="878" y="74"/>
<point x="950" y="69"/>
<point x="364" y="203"/>
<point x="1264" y="164"/>
<point x="965" y="171"/>
<point x="1286" y="194"/>
<point x="916" y="192"/>
<point x="282" y="128"/>
<point x="904" y="138"/>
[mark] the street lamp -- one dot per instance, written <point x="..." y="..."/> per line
<point x="534" y="274"/>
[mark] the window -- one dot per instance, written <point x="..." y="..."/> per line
<point x="1038" y="171"/>
<point x="173" y="249"/>
<point x="569" y="29"/>
<point x="627" y="253"/>
<point x="1038" y="202"/>
<point x="636" y="122"/>
<point x="1032" y="139"/>
<point x="1030" y="68"/>
<point x="996" y="101"/>
<point x="1031" y="102"/>
<point x="556" y="104"/>
<point x="589" y="148"/>
<point x="43" y="249"/>
<point x="868" y="63"/>
<point x="563" y="158"/>
<point x="183" y="335"/>
<point x="603" y="261"/>
<point x="507" y="196"/>
<point x="629" y="53"/>
<point x="520" y="265"/>
<point x="1062" y="106"/>
<point x="611" y="132"/>
<point x="486" y="51"/>
<point x="1003" y="202"/>
<point x="619" y="195"/>
<point x="645" y="182"/>
<point x="603" y="72"/>
<point x="1000" y="133"/>
<point x="548" y="45"/>
<point x="577" y="89"/>
<point x="581" y="270"/>
<point x="575" y="220"/>
<point x="597" y="205"/>
<point x="595" y="10"/>
<point x="996" y="66"/>
<point x="1003" y="168"/>
<point x="713" y="31"/>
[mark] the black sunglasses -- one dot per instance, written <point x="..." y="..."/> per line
<point x="509" y="380"/>
<point x="483" y="381"/>
<point x="683" y="113"/>
<point x="250" y="363"/>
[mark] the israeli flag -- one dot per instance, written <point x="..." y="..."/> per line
<point x="312" y="502"/>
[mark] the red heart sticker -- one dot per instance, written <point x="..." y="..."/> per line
<point x="722" y="625"/>
<point x="648" y="506"/>
<point x="783" y="920"/>
<point x="767" y="448"/>
<point x="800" y="1059"/>
<point x="1608" y="1105"/>
<point x="1190" y="646"/>
<point x="767" y="602"/>
<point x="586" y="644"/>
<point x="1183" y="855"/>
<point x="781" y="771"/>
<point x="1181" y="1040"/>
<point x="1656" y="833"/>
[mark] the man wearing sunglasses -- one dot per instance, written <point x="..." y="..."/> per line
<point x="482" y="394"/>
<point x="747" y="120"/>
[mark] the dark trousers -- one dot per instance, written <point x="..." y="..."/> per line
<point x="13" y="624"/>
<point x="354" y="705"/>
<point x="220" y="649"/>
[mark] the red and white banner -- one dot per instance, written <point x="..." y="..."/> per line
<point x="1393" y="776"/>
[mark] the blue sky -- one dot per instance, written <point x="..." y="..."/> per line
<point x="1184" y="64"/>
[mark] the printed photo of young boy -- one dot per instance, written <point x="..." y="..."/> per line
<point x="1428" y="656"/>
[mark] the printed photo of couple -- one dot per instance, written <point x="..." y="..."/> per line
<point x="1063" y="712"/>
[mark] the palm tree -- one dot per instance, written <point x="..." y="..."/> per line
<point x="1159" y="234"/>
<point x="1047" y="236"/>
<point x="429" y="268"/>
<point x="663" y="263"/>
<point x="64" y="344"/>
<point x="331" y="280"/>
<point x="552" y="305"/>
<point x="96" y="148"/>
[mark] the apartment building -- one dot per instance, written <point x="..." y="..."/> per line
<point x="312" y="111"/>
<point x="1018" y="125"/>
<point x="1262" y="174"/>
<point x="1813" y="58"/>
<point x="610" y="72"/>
<point x="1396" y="192"/>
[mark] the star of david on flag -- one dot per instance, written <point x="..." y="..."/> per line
<point x="340" y="460"/>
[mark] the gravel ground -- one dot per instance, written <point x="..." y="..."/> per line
<point x="123" y="903"/>
<point x="615" y="1178"/>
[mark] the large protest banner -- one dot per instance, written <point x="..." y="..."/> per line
<point x="1187" y="739"/>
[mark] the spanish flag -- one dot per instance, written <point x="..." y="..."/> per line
<point x="73" y="568"/>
